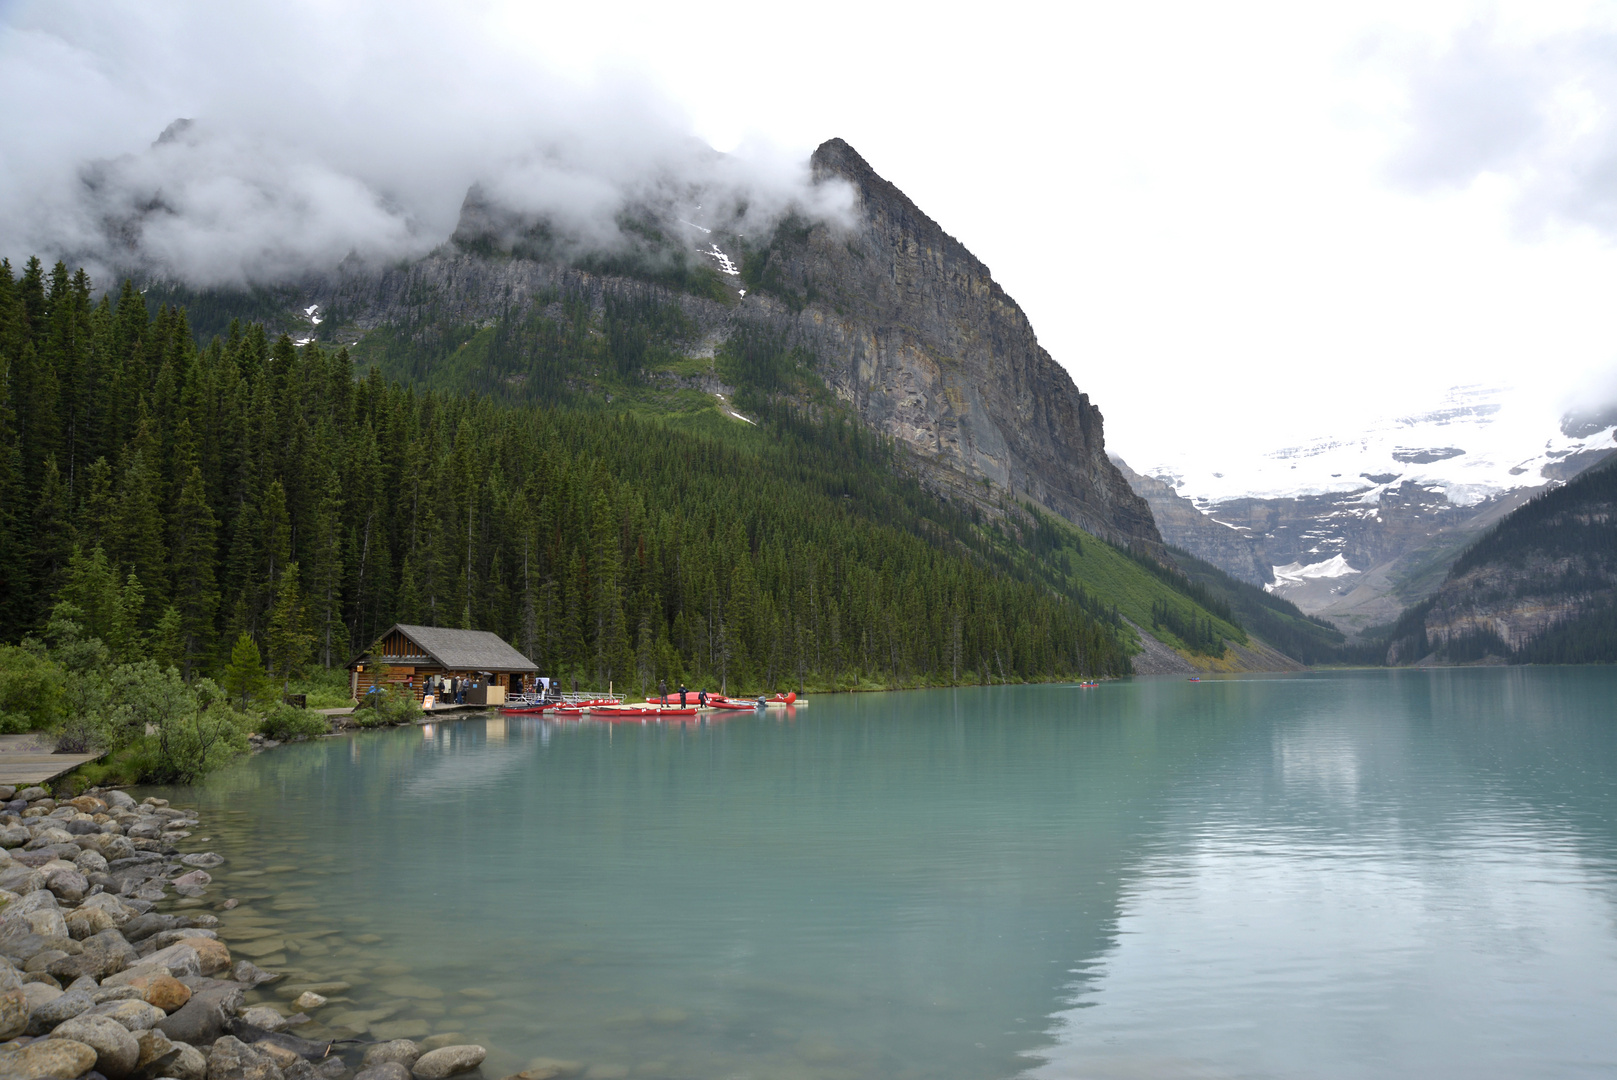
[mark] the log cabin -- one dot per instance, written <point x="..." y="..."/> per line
<point x="410" y="655"/>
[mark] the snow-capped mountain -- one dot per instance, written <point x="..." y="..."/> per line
<point x="1354" y="527"/>
<point x="1472" y="446"/>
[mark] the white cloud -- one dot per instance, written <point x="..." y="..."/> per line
<point x="320" y="131"/>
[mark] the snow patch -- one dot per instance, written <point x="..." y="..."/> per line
<point x="1297" y="573"/>
<point x="725" y="265"/>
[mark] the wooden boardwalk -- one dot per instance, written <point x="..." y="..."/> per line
<point x="24" y="762"/>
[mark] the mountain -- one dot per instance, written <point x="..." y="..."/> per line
<point x="894" y="318"/>
<point x="1356" y="528"/>
<point x="847" y="425"/>
<point x="1539" y="587"/>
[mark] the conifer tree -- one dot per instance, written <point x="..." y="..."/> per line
<point x="244" y="679"/>
<point x="286" y="639"/>
<point x="196" y="597"/>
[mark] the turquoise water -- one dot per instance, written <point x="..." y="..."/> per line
<point x="1345" y="875"/>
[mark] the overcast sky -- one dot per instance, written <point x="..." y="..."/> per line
<point x="1239" y="222"/>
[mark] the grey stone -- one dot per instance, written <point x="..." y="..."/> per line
<point x="59" y="1010"/>
<point x="120" y="799"/>
<point x="204" y="859"/>
<point x="34" y="794"/>
<point x="178" y="959"/>
<point x="116" y="992"/>
<point x="63" y="1058"/>
<point x="85" y="983"/>
<point x="184" y="1062"/>
<point x="205" y="1017"/>
<point x="40" y="993"/>
<point x="232" y="1059"/>
<point x="387" y="1070"/>
<point x="403" y="1051"/>
<point x="133" y="1014"/>
<point x="37" y="901"/>
<point x="41" y="961"/>
<point x="331" y="1068"/>
<point x="120" y="911"/>
<point x="91" y="862"/>
<point x="153" y="1045"/>
<point x="103" y="954"/>
<point x="250" y="974"/>
<point x="449" y="1061"/>
<point x="68" y="885"/>
<point x="116" y="1050"/>
<point x="21" y="879"/>
<point x="265" y="1018"/>
<point x="86" y="922"/>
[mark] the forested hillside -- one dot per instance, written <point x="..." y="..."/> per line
<point x="249" y="485"/>
<point x="1540" y="587"/>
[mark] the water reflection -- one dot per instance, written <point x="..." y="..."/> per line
<point x="1157" y="878"/>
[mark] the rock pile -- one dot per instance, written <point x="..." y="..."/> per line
<point x="95" y="983"/>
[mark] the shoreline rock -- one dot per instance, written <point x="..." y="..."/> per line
<point x="94" y="980"/>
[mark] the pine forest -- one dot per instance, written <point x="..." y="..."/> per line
<point x="182" y="494"/>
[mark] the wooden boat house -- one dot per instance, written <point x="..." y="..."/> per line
<point x="411" y="655"/>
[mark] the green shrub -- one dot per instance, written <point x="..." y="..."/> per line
<point x="392" y="705"/>
<point x="285" y="723"/>
<point x="31" y="688"/>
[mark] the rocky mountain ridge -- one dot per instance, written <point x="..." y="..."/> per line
<point x="907" y="328"/>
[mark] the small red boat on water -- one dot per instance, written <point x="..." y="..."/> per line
<point x="650" y="708"/>
<point x="579" y="708"/>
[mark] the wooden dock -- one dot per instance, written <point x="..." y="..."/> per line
<point x="24" y="762"/>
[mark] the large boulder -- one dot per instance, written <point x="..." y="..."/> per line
<point x="232" y="1059"/>
<point x="448" y="1061"/>
<point x="205" y="1017"/>
<point x="116" y="1050"/>
<point x="64" y="1058"/>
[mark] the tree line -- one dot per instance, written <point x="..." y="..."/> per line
<point x="253" y="486"/>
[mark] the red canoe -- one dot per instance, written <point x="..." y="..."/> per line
<point x="648" y="709"/>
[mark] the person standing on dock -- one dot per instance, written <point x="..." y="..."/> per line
<point x="682" y="695"/>
<point x="662" y="691"/>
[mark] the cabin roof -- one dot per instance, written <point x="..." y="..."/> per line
<point x="455" y="650"/>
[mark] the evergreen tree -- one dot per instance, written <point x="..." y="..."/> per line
<point x="244" y="679"/>
<point x="196" y="598"/>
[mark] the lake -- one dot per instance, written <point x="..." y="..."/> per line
<point x="1358" y="874"/>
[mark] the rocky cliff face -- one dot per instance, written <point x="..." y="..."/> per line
<point x="912" y="330"/>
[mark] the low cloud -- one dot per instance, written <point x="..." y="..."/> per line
<point x="1537" y="111"/>
<point x="227" y="144"/>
